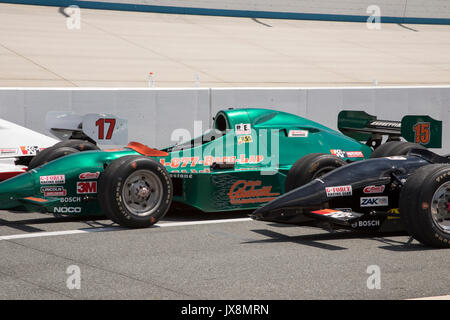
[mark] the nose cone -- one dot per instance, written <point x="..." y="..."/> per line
<point x="310" y="195"/>
<point x="15" y="188"/>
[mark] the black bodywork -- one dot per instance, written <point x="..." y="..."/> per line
<point x="363" y="195"/>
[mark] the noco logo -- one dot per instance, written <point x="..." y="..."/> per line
<point x="86" y="187"/>
<point x="67" y="210"/>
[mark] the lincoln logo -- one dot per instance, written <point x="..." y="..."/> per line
<point x="244" y="191"/>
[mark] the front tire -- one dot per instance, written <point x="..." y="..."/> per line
<point x="135" y="191"/>
<point x="424" y="205"/>
<point x="310" y="167"/>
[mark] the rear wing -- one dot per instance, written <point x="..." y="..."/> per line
<point x="361" y="126"/>
<point x="102" y="129"/>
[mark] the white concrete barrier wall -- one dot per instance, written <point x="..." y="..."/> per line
<point x="395" y="11"/>
<point x="390" y="8"/>
<point x="153" y="114"/>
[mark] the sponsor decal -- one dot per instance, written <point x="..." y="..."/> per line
<point x="394" y="211"/>
<point x="374" y="201"/>
<point x="338" y="191"/>
<point x="84" y="187"/>
<point x="298" y="133"/>
<point x="243" y="128"/>
<point x="246" y="191"/>
<point x="8" y="151"/>
<point x="347" y="154"/>
<point x="374" y="189"/>
<point x="245" y="139"/>
<point x="66" y="210"/>
<point x="89" y="175"/>
<point x="334" y="213"/>
<point x="54" y="179"/>
<point x="366" y="223"/>
<point x="354" y="154"/>
<point x="338" y="153"/>
<point x="70" y="199"/>
<point x="181" y="175"/>
<point x="29" y="150"/>
<point x="209" y="160"/>
<point x="54" y="191"/>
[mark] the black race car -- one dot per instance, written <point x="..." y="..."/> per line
<point x="411" y="191"/>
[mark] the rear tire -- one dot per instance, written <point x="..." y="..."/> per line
<point x="395" y="148"/>
<point x="310" y="167"/>
<point x="50" y="154"/>
<point x="424" y="204"/>
<point x="135" y="191"/>
<point x="81" y="145"/>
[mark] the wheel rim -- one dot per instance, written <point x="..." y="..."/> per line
<point x="142" y="193"/>
<point x="440" y="207"/>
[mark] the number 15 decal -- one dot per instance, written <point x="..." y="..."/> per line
<point x="422" y="132"/>
<point x="100" y="123"/>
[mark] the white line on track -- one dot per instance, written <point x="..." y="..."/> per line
<point x="447" y="297"/>
<point x="104" y="229"/>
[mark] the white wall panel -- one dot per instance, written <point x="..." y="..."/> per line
<point x="153" y="114"/>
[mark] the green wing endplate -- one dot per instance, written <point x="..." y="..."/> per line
<point x="421" y="129"/>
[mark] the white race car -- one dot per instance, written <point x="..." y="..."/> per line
<point x="18" y="145"/>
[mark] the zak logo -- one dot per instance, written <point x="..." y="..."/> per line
<point x="244" y="191"/>
<point x="374" y="202"/>
<point x="86" y="187"/>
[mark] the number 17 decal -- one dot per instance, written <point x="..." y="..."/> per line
<point x="100" y="123"/>
<point x="422" y="132"/>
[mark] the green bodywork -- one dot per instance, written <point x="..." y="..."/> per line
<point x="240" y="164"/>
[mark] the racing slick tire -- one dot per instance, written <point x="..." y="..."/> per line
<point x="81" y="145"/>
<point x="424" y="205"/>
<point x="310" y="167"/>
<point x="135" y="191"/>
<point x="50" y="154"/>
<point x="394" y="148"/>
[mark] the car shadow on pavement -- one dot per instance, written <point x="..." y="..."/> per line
<point x="313" y="239"/>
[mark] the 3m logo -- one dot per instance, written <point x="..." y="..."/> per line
<point x="86" y="187"/>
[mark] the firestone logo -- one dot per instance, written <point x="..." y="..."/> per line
<point x="244" y="191"/>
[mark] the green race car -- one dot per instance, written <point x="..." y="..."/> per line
<point x="247" y="159"/>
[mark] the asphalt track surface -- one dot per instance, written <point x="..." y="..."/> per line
<point x="190" y="255"/>
<point x="119" y="49"/>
